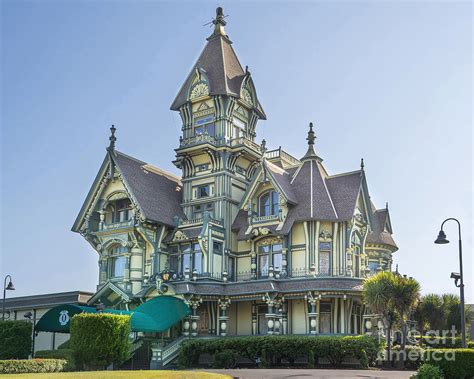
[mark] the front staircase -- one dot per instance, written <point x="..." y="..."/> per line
<point x="164" y="355"/>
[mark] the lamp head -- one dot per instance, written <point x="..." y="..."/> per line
<point x="441" y="238"/>
<point x="10" y="286"/>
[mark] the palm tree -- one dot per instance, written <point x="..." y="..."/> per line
<point x="377" y="294"/>
<point x="405" y="294"/>
<point x="430" y="313"/>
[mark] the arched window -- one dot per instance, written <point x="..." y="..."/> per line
<point x="268" y="204"/>
<point x="117" y="261"/>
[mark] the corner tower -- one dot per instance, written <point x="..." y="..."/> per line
<point x="219" y="108"/>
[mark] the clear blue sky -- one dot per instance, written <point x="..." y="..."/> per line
<point x="387" y="81"/>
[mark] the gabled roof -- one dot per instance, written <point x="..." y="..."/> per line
<point x="156" y="193"/>
<point x="282" y="180"/>
<point x="380" y="234"/>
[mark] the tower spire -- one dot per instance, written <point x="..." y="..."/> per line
<point x="311" y="138"/>
<point x="112" y="139"/>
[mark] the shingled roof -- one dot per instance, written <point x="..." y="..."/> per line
<point x="380" y="234"/>
<point x="157" y="193"/>
<point x="220" y="65"/>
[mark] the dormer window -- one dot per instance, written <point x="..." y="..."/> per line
<point x="121" y="211"/>
<point x="268" y="204"/>
<point x="204" y="126"/>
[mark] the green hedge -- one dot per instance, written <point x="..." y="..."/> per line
<point x="427" y="371"/>
<point x="15" y="339"/>
<point x="455" y="363"/>
<point x="65" y="354"/>
<point x="31" y="366"/>
<point x="442" y="343"/>
<point x="100" y="339"/>
<point x="413" y="356"/>
<point x="270" y="349"/>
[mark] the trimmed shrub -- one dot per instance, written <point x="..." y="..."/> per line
<point x="225" y="359"/>
<point x="65" y="354"/>
<point x="455" y="363"/>
<point x="265" y="350"/>
<point x="100" y="339"/>
<point x="427" y="371"/>
<point x="413" y="356"/>
<point x="470" y="345"/>
<point x="65" y="345"/>
<point x="31" y="366"/>
<point x="15" y="339"/>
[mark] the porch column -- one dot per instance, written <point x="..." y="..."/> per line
<point x="313" y="314"/>
<point x="190" y="326"/>
<point x="254" y="318"/>
<point x="284" y="317"/>
<point x="223" y="318"/>
<point x="273" y="324"/>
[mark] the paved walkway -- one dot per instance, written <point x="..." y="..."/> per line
<point x="315" y="373"/>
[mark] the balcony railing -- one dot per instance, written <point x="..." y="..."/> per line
<point x="261" y="219"/>
<point x="116" y="225"/>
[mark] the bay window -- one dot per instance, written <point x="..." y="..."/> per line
<point x="269" y="255"/>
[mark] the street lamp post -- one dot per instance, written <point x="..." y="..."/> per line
<point x="9" y="287"/>
<point x="457" y="277"/>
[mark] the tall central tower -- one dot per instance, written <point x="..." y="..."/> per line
<point x="217" y="154"/>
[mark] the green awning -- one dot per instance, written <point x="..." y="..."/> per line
<point x="156" y="315"/>
<point x="163" y="312"/>
<point x="58" y="319"/>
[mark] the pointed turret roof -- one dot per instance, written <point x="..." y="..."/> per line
<point x="220" y="65"/>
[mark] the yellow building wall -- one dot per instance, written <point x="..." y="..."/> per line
<point x="115" y="185"/>
<point x="298" y="259"/>
<point x="298" y="316"/>
<point x="244" y="318"/>
<point x="297" y="234"/>
<point x="243" y="264"/>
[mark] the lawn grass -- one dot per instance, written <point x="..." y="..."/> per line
<point x="145" y="374"/>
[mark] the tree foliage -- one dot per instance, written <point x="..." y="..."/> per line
<point x="15" y="339"/>
<point x="99" y="340"/>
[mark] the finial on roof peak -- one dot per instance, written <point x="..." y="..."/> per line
<point x="112" y="138"/>
<point x="219" y="22"/>
<point x="263" y="147"/>
<point x="386" y="205"/>
<point x="362" y="163"/>
<point x="310" y="154"/>
<point x="311" y="135"/>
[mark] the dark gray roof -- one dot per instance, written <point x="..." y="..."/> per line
<point x="47" y="300"/>
<point x="263" y="286"/>
<point x="379" y="234"/>
<point x="344" y="190"/>
<point x="314" y="201"/>
<point x="222" y="68"/>
<point x="190" y="233"/>
<point x="333" y="197"/>
<point x="283" y="180"/>
<point x="157" y="195"/>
